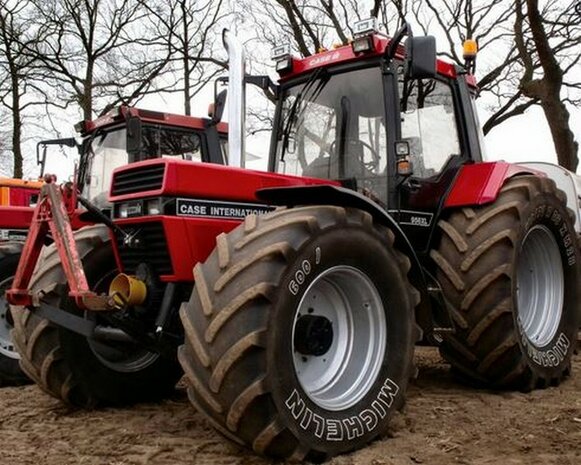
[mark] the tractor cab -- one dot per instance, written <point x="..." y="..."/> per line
<point x="128" y="135"/>
<point x="378" y="121"/>
<point x="17" y="200"/>
<point x="18" y="192"/>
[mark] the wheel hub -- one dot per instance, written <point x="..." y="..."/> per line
<point x="313" y="335"/>
<point x="339" y="337"/>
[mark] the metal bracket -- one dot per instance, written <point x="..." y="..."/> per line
<point x="65" y="319"/>
<point x="52" y="213"/>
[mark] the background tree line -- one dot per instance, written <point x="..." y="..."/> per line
<point x="88" y="56"/>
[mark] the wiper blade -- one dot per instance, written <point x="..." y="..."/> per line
<point x="292" y="114"/>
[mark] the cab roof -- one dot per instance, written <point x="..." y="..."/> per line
<point x="344" y="54"/>
<point x="150" y="116"/>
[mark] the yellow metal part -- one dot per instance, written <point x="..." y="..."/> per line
<point x="470" y="48"/>
<point x="4" y="196"/>
<point x="11" y="182"/>
<point x="127" y="290"/>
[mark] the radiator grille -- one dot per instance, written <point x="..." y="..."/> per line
<point x="153" y="249"/>
<point x="140" y="179"/>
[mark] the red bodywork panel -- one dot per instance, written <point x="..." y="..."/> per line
<point x="22" y="196"/>
<point x="345" y="54"/>
<point x="210" y="181"/>
<point x="480" y="183"/>
<point x="16" y="217"/>
<point x="191" y="239"/>
<point x="16" y="196"/>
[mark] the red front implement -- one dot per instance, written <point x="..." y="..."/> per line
<point x="56" y="206"/>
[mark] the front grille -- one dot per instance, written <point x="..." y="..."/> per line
<point x="152" y="249"/>
<point x="140" y="179"/>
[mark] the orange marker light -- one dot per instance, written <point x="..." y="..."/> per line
<point x="470" y="49"/>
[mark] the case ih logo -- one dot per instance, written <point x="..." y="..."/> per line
<point x="212" y="209"/>
<point x="324" y="59"/>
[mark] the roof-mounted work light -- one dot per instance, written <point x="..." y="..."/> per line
<point x="365" y="27"/>
<point x="281" y="54"/>
<point x="363" y="38"/>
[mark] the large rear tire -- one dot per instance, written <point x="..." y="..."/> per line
<point x="10" y="372"/>
<point x="299" y="334"/>
<point x="79" y="371"/>
<point x="510" y="272"/>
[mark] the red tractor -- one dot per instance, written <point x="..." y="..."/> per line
<point x="123" y="136"/>
<point x="298" y="335"/>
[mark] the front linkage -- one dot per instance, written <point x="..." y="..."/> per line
<point x="53" y="213"/>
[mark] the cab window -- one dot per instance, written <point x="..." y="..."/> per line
<point x="428" y="123"/>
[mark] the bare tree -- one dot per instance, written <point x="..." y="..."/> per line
<point x="95" y="52"/>
<point x="552" y="45"/>
<point x="190" y="28"/>
<point x="17" y="70"/>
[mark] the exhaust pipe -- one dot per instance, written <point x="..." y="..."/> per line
<point x="236" y="99"/>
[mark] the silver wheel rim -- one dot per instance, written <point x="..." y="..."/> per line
<point x="343" y="375"/>
<point x="540" y="286"/>
<point x="6" y="347"/>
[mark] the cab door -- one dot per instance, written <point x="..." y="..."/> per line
<point x="429" y="124"/>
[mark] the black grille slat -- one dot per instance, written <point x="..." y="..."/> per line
<point x="140" y="179"/>
<point x="154" y="250"/>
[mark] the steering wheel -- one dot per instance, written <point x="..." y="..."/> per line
<point x="371" y="166"/>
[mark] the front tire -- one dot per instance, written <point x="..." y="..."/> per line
<point x="10" y="372"/>
<point x="79" y="371"/>
<point x="299" y="334"/>
<point x="510" y="271"/>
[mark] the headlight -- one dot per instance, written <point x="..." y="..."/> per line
<point x="123" y="210"/>
<point x="130" y="209"/>
<point x="153" y="207"/>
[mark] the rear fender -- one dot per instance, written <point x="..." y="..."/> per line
<point x="480" y="183"/>
<point x="341" y="197"/>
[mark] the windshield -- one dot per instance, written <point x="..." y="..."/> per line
<point x="159" y="141"/>
<point x="333" y="127"/>
<point x="106" y="151"/>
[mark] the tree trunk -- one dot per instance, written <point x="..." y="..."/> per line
<point x="186" y="59"/>
<point x="86" y="98"/>
<point x="16" y="124"/>
<point x="558" y="119"/>
<point x="548" y="90"/>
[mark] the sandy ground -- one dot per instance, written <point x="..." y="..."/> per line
<point x="443" y="423"/>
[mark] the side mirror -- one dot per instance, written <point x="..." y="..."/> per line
<point x="421" y="57"/>
<point x="219" y="105"/>
<point x="133" y="137"/>
<point x="41" y="159"/>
